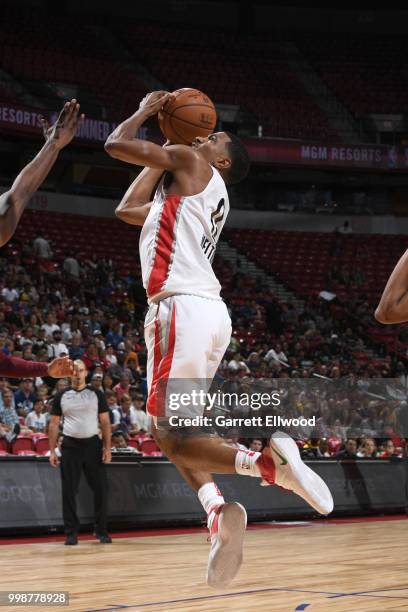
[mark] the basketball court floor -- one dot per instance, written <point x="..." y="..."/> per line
<point x="321" y="566"/>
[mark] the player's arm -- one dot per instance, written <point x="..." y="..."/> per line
<point x="14" y="201"/>
<point x="135" y="204"/>
<point x="15" y="367"/>
<point x="123" y="145"/>
<point x="393" y="306"/>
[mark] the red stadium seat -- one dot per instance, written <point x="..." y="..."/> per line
<point x="26" y="453"/>
<point x="22" y="444"/>
<point x="148" y="446"/>
<point x="3" y="444"/>
<point x="42" y="444"/>
<point x="133" y="443"/>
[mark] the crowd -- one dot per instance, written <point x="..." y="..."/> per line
<point x="90" y="311"/>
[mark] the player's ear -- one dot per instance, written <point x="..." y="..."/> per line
<point x="222" y="163"/>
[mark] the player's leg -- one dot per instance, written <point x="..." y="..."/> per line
<point x="279" y="463"/>
<point x="200" y="481"/>
<point x="202" y="333"/>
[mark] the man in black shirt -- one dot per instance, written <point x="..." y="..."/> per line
<point x="350" y="450"/>
<point x="83" y="409"/>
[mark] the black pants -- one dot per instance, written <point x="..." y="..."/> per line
<point x="83" y="454"/>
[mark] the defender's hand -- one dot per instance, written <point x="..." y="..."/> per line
<point x="154" y="101"/>
<point x="61" y="367"/>
<point x="65" y="127"/>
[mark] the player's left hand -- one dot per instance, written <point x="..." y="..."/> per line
<point x="65" y="127"/>
<point x="61" y="367"/>
<point x="107" y="455"/>
<point x="154" y="101"/>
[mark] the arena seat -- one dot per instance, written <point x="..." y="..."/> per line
<point x="3" y="444"/>
<point x="22" y="444"/>
<point x="363" y="70"/>
<point x="148" y="446"/>
<point x="41" y="444"/>
<point x="133" y="443"/>
<point x="26" y="453"/>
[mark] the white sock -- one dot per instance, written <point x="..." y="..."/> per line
<point x="210" y="496"/>
<point x="245" y="463"/>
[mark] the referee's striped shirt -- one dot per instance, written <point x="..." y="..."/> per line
<point x="80" y="410"/>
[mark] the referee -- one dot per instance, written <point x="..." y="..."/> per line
<point x="82" y="409"/>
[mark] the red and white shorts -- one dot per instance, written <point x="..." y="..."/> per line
<point x="186" y="338"/>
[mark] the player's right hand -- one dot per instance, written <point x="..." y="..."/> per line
<point x="154" y="101"/>
<point x="65" y="127"/>
<point x="61" y="367"/>
<point x="54" y="459"/>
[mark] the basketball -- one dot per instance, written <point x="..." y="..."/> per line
<point x="189" y="114"/>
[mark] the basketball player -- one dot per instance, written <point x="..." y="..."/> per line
<point x="14" y="201"/>
<point x="12" y="205"/>
<point x="393" y="306"/>
<point x="187" y="326"/>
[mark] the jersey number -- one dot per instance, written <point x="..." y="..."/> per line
<point x="216" y="218"/>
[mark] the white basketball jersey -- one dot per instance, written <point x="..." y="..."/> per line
<point x="178" y="241"/>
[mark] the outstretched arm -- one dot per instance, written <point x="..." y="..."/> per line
<point x="14" y="201"/>
<point x="15" y="367"/>
<point x="393" y="306"/>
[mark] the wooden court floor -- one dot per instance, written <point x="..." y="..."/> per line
<point x="316" y="567"/>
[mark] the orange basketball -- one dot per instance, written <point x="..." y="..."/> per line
<point x="189" y="114"/>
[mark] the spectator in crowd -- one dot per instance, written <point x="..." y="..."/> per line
<point x="237" y="364"/>
<point x="140" y="418"/>
<point x="71" y="266"/>
<point x="96" y="381"/>
<point x="388" y="450"/>
<point x="323" y="449"/>
<point x="349" y="451"/>
<point x="50" y="326"/>
<point x="114" y="335"/>
<point x="41" y="247"/>
<point x="256" y="445"/>
<point x="275" y="354"/>
<point x="25" y="397"/>
<point x="128" y="422"/>
<point x="110" y="355"/>
<point x="120" y="444"/>
<point x="107" y="382"/>
<point x="37" y="419"/>
<point x="76" y="350"/>
<point x="8" y="417"/>
<point x="10" y="293"/>
<point x="368" y="449"/>
<point x="123" y="387"/>
<point x="57" y="348"/>
<point x="114" y="410"/>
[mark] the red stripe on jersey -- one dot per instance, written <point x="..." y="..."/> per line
<point x="161" y="369"/>
<point x="165" y="244"/>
